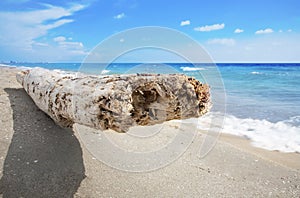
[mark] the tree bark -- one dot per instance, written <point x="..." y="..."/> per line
<point x="115" y="101"/>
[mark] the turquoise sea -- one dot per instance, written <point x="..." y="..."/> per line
<point x="262" y="100"/>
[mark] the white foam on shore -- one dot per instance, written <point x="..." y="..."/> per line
<point x="283" y="136"/>
<point x="13" y="66"/>
<point x="4" y="65"/>
<point x="105" y="71"/>
<point x="255" y="73"/>
<point x="192" y="68"/>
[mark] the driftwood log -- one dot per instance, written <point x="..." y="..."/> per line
<point x="115" y="101"/>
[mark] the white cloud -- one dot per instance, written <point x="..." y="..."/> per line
<point x="63" y="43"/>
<point x="209" y="28"/>
<point x="265" y="31"/>
<point x="274" y="48"/>
<point x="71" y="45"/>
<point x="186" y="22"/>
<point x="290" y="30"/>
<point x="238" y="30"/>
<point x="59" y="39"/>
<point x="119" y="16"/>
<point x="21" y="30"/>
<point x="77" y="7"/>
<point x="41" y="44"/>
<point x="222" y="41"/>
<point x="58" y="23"/>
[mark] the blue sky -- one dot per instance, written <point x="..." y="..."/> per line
<point x="231" y="31"/>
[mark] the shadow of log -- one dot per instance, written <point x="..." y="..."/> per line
<point x="43" y="160"/>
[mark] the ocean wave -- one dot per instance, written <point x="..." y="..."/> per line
<point x="283" y="136"/>
<point x="24" y="68"/>
<point x="4" y="65"/>
<point x="192" y="68"/>
<point x="14" y="66"/>
<point x="256" y="73"/>
<point x="105" y="71"/>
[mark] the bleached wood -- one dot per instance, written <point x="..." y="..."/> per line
<point x="115" y="101"/>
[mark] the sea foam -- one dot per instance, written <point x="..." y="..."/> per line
<point x="105" y="71"/>
<point x="4" y="65"/>
<point x="13" y="66"/>
<point x="283" y="136"/>
<point x="256" y="73"/>
<point x="192" y="68"/>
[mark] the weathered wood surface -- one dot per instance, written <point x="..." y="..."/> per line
<point x="116" y="101"/>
